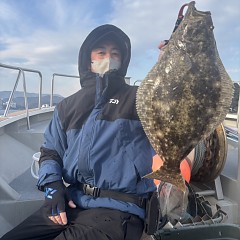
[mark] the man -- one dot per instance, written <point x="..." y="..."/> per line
<point x="95" y="144"/>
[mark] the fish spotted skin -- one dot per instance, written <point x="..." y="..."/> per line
<point x="185" y="96"/>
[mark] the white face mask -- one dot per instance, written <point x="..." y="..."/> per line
<point x="103" y="65"/>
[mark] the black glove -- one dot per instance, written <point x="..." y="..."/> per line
<point x="55" y="195"/>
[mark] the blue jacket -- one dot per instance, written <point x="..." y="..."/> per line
<point x="95" y="137"/>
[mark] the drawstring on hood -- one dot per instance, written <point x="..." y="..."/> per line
<point x="110" y="32"/>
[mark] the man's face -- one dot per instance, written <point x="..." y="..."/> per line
<point x="105" y="56"/>
<point x="105" y="50"/>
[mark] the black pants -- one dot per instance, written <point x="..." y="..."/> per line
<point x="90" y="224"/>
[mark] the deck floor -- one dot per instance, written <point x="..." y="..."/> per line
<point x="25" y="185"/>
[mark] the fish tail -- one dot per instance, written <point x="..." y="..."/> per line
<point x="173" y="178"/>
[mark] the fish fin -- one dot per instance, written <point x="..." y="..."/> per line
<point x="175" y="178"/>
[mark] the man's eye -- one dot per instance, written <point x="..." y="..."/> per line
<point x="116" y="54"/>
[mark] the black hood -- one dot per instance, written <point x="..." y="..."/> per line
<point x="99" y="33"/>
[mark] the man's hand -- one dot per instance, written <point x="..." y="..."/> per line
<point x="55" y="196"/>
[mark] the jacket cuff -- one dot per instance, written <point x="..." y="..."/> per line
<point x="50" y="171"/>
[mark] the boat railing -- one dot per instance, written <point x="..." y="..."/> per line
<point x="52" y="84"/>
<point x="21" y="72"/>
<point x="137" y="82"/>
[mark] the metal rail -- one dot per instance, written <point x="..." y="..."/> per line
<point x="14" y="87"/>
<point x="137" y="82"/>
<point x="52" y="84"/>
<point x="40" y="84"/>
<point x="21" y="72"/>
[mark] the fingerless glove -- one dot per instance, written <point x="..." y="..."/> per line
<point x="55" y="194"/>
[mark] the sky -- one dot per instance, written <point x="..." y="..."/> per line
<point x="46" y="35"/>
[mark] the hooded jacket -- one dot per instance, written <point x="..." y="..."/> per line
<point x="95" y="135"/>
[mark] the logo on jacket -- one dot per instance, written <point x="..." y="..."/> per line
<point x="49" y="192"/>
<point x="114" y="101"/>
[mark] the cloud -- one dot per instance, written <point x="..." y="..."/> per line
<point x="7" y="12"/>
<point x="149" y="22"/>
<point x="47" y="35"/>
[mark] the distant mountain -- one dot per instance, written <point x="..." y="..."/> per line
<point x="19" y="102"/>
<point x="6" y="94"/>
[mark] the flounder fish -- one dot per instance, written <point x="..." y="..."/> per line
<point x="185" y="96"/>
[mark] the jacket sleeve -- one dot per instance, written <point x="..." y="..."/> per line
<point x="52" y="151"/>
